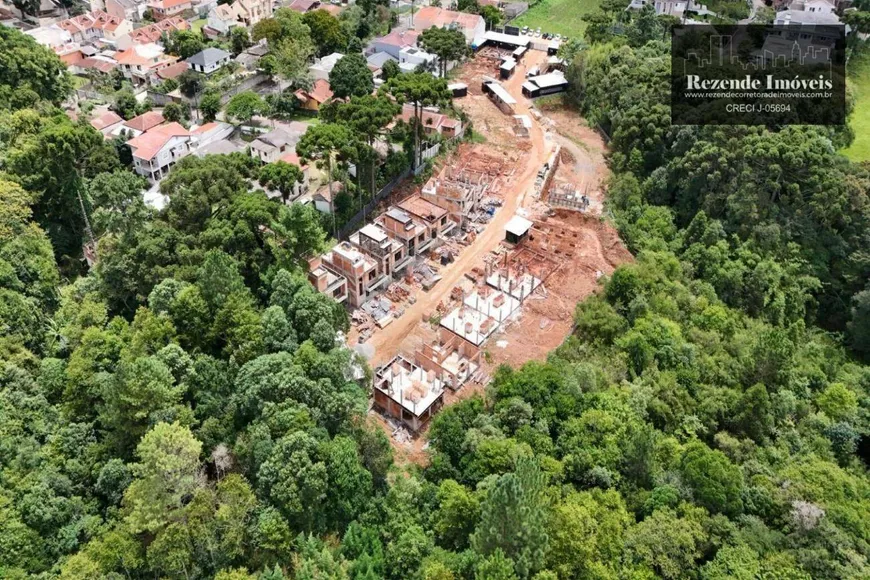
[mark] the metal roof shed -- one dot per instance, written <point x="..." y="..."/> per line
<point x="517" y="229"/>
<point x="501" y="93"/>
<point x="507" y="68"/>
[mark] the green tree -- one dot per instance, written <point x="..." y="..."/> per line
<point x="296" y="480"/>
<point x="173" y="113"/>
<point x="125" y="104"/>
<point x="29" y="66"/>
<point x="26" y="7"/>
<point x="218" y="277"/>
<point x="447" y="44"/>
<point x="328" y="143"/>
<point x="838" y="402"/>
<point x="390" y="70"/>
<point x="268" y="28"/>
<point x="142" y="391"/>
<point x="77" y="152"/>
<point x="183" y="43"/>
<point x="351" y="77"/>
<point x="191" y="83"/>
<point x="240" y="40"/>
<point x="513" y="519"/>
<point x="166" y="474"/>
<point x="495" y="567"/>
<point x="458" y="511"/>
<point x="326" y="32"/>
<point x="210" y="105"/>
<point x="242" y="107"/>
<point x="366" y="116"/>
<point x="491" y="15"/>
<point x="117" y="201"/>
<point x="716" y="483"/>
<point x="668" y="544"/>
<point x="281" y="176"/>
<point x="859" y="325"/>
<point x="421" y="90"/>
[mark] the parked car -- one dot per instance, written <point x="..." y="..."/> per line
<point x="533" y="72"/>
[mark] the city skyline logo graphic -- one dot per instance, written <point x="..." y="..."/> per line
<point x="721" y="53"/>
<point x="758" y="75"/>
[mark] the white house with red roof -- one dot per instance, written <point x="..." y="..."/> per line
<point x="106" y="122"/>
<point x="140" y="61"/>
<point x="152" y="33"/>
<point x="140" y="124"/>
<point x="394" y="42"/>
<point x="157" y="150"/>
<point x="95" y="25"/>
<point x="161" y="9"/>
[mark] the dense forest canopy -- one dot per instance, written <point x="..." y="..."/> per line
<point x="184" y="410"/>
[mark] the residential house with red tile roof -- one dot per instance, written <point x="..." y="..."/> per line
<point x="141" y="61"/>
<point x="153" y="32"/>
<point x="433" y="122"/>
<point x="144" y="122"/>
<point x="304" y="6"/>
<point x="394" y="42"/>
<point x="161" y="9"/>
<point x="106" y="122"/>
<point x="95" y="25"/>
<point x="320" y="92"/>
<point x="172" y="71"/>
<point x="157" y="150"/>
<point x="99" y="64"/>
<point x="471" y="25"/>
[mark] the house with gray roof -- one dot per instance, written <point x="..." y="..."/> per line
<point x="209" y="60"/>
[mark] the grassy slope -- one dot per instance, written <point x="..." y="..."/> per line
<point x="558" y="16"/>
<point x="859" y="81"/>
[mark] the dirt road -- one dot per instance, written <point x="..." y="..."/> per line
<point x="388" y="342"/>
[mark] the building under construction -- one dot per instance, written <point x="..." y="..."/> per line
<point x="408" y="392"/>
<point x="459" y="194"/>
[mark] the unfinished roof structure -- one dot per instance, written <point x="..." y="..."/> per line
<point x="407" y="392"/>
<point x="453" y="360"/>
<point x="480" y="315"/>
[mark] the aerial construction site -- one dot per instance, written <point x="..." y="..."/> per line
<point x="482" y="264"/>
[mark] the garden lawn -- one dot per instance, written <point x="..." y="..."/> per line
<point x="859" y="82"/>
<point x="563" y="17"/>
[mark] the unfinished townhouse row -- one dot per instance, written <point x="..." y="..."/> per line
<point x="356" y="269"/>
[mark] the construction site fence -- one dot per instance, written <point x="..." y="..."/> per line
<point x="358" y="218"/>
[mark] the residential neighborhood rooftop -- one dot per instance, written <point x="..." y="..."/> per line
<point x="208" y="56"/>
<point x="146" y="145"/>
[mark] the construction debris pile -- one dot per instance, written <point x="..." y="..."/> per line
<point x="426" y="275"/>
